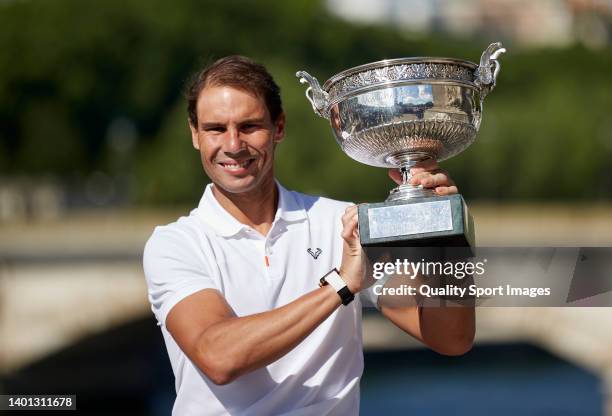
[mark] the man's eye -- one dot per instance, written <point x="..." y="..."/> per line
<point x="215" y="129"/>
<point x="249" y="127"/>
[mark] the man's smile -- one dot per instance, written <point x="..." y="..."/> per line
<point x="236" y="166"/>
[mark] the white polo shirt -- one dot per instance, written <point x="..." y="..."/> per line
<point x="210" y="249"/>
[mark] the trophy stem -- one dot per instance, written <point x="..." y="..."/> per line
<point x="406" y="175"/>
<point x="406" y="190"/>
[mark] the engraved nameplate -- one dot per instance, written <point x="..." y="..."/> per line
<point x="407" y="219"/>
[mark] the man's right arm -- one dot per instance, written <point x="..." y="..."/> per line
<point x="225" y="347"/>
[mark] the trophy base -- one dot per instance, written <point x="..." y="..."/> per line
<point x="439" y="221"/>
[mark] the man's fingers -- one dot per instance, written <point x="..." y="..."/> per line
<point x="349" y="224"/>
<point x="446" y="190"/>
<point x="396" y="175"/>
<point x="432" y="179"/>
<point x="349" y="213"/>
<point x="425" y="166"/>
<point x="349" y="221"/>
<point x="349" y="231"/>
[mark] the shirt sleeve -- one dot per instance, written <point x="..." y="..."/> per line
<point x="174" y="268"/>
<point x="369" y="296"/>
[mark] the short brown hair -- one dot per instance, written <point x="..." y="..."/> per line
<point x="239" y="72"/>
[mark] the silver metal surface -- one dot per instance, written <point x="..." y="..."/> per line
<point x="315" y="94"/>
<point x="408" y="219"/>
<point x="407" y="191"/>
<point x="399" y="112"/>
<point x="383" y="112"/>
<point x="385" y="127"/>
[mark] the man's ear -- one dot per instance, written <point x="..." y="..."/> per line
<point x="279" y="132"/>
<point x="194" y="135"/>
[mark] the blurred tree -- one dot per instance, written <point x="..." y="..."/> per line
<point x="70" y="69"/>
<point x="170" y="170"/>
<point x="49" y="141"/>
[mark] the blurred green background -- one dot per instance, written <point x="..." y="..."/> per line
<point x="95" y="152"/>
<point x="91" y="101"/>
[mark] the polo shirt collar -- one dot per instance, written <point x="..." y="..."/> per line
<point x="290" y="209"/>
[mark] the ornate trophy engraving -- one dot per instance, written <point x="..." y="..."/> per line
<point x="399" y="112"/>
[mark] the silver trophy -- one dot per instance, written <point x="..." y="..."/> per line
<point x="397" y="113"/>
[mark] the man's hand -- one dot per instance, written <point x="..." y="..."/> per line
<point x="429" y="175"/>
<point x="353" y="265"/>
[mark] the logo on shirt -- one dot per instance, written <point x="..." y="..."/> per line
<point x="315" y="254"/>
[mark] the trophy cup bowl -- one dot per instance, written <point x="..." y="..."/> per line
<point x="398" y="113"/>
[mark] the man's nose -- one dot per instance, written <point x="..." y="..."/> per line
<point x="234" y="142"/>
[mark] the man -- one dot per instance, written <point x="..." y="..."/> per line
<point x="235" y="285"/>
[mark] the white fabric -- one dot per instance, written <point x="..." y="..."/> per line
<point x="209" y="249"/>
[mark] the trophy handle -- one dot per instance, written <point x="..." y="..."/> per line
<point x="315" y="94"/>
<point x="487" y="71"/>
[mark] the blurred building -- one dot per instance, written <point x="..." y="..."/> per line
<point x="555" y="23"/>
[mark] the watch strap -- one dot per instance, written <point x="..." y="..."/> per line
<point x="334" y="279"/>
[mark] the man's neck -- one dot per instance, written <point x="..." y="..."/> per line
<point x="256" y="208"/>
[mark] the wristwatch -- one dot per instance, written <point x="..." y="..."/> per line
<point x="334" y="279"/>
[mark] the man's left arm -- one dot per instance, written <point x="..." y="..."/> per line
<point x="446" y="330"/>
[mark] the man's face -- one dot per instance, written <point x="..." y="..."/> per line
<point x="236" y="138"/>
